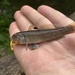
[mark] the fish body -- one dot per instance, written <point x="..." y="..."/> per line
<point x="37" y="36"/>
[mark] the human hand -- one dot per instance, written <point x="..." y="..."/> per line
<point x="51" y="58"/>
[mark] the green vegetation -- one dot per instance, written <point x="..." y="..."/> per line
<point x="8" y="7"/>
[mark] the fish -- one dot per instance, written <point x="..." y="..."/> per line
<point x="41" y="35"/>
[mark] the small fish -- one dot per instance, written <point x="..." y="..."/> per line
<point x="38" y="36"/>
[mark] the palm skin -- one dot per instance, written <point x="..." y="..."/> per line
<point x="51" y="58"/>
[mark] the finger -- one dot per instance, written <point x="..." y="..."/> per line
<point x="36" y="18"/>
<point x="13" y="28"/>
<point x="54" y="16"/>
<point x="22" y="21"/>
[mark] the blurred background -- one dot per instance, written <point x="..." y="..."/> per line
<point x="8" y="7"/>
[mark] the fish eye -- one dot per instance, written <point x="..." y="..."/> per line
<point x="15" y="37"/>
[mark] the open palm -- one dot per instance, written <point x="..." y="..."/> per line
<point x="51" y="58"/>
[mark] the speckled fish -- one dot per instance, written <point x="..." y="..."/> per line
<point x="38" y="36"/>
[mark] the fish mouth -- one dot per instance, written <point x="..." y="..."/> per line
<point x="14" y="39"/>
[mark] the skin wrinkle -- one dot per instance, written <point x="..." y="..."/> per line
<point x="61" y="56"/>
<point x="52" y="47"/>
<point x="67" y="47"/>
<point x="51" y="51"/>
<point x="56" y="47"/>
<point x="45" y="47"/>
<point x="54" y="54"/>
<point x="67" y="65"/>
